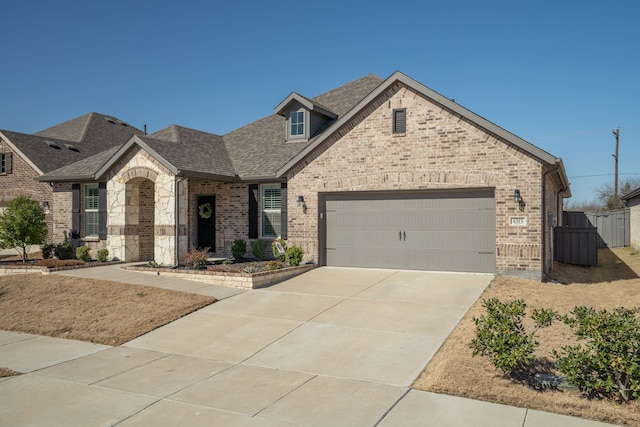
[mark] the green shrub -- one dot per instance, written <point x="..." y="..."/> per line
<point x="239" y="248"/>
<point x="252" y="268"/>
<point x="293" y="255"/>
<point x="273" y="265"/>
<point x="83" y="253"/>
<point x="196" y="258"/>
<point x="608" y="364"/>
<point x="501" y="335"/>
<point x="102" y="255"/>
<point x="48" y="250"/>
<point x="64" y="250"/>
<point x="259" y="249"/>
<point x="276" y="254"/>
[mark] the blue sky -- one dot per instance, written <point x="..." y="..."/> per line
<point x="560" y="74"/>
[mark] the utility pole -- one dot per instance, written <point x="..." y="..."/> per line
<point x="616" y="132"/>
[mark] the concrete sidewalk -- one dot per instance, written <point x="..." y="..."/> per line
<point x="336" y="347"/>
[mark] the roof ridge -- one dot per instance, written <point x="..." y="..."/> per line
<point x="85" y="128"/>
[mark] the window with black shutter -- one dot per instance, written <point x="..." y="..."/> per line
<point x="400" y="120"/>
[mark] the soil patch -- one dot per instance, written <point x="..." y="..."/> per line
<point x="98" y="311"/>
<point x="614" y="282"/>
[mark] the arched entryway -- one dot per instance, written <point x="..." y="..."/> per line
<point x="140" y="214"/>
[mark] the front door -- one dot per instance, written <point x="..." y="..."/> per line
<point x="207" y="222"/>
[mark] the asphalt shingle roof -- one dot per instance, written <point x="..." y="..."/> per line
<point x="191" y="151"/>
<point x="259" y="149"/>
<point x="254" y="151"/>
<point x="71" y="141"/>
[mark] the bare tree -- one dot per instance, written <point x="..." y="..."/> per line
<point x="605" y="197"/>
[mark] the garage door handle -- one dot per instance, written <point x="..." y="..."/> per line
<point x="400" y="234"/>
<point x="404" y="235"/>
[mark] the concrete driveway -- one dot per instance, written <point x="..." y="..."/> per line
<point x="336" y="347"/>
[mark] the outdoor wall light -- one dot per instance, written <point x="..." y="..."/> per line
<point x="300" y="201"/>
<point x="516" y="196"/>
<point x="46" y="208"/>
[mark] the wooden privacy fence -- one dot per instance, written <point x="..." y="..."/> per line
<point x="576" y="245"/>
<point x="613" y="226"/>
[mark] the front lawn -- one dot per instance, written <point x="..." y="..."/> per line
<point x="98" y="311"/>
<point x="613" y="283"/>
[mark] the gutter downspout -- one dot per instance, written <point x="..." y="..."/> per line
<point x="545" y="219"/>
<point x="177" y="220"/>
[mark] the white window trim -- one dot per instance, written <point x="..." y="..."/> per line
<point x="91" y="211"/>
<point x="264" y="211"/>
<point x="305" y="125"/>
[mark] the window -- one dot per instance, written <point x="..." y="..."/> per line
<point x="271" y="210"/>
<point x="5" y="163"/>
<point x="400" y="120"/>
<point x="297" y="123"/>
<point x="91" y="215"/>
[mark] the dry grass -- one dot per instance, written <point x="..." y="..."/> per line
<point x="98" y="311"/>
<point x="614" y="282"/>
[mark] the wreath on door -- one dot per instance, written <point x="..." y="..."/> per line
<point x="205" y="210"/>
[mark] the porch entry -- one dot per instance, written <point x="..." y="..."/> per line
<point x="207" y="222"/>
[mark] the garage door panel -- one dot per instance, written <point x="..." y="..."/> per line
<point x="429" y="230"/>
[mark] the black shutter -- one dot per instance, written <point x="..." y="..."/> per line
<point x="102" y="210"/>
<point x="75" y="211"/>
<point x="8" y="159"/>
<point x="253" y="211"/>
<point x="400" y="120"/>
<point x="283" y="210"/>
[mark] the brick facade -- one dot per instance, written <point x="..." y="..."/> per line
<point x="440" y="150"/>
<point x="231" y="210"/>
<point x="21" y="182"/>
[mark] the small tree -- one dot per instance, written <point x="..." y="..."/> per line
<point x="22" y="224"/>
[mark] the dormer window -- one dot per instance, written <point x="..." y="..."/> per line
<point x="304" y="117"/>
<point x="297" y="123"/>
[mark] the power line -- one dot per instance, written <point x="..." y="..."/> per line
<point x="604" y="174"/>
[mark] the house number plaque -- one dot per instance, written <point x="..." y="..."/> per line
<point x="518" y="221"/>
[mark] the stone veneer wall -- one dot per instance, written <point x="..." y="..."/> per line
<point x="124" y="218"/>
<point x="21" y="182"/>
<point x="440" y="150"/>
<point x="231" y="210"/>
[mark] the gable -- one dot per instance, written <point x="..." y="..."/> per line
<point x="399" y="82"/>
<point x="437" y="142"/>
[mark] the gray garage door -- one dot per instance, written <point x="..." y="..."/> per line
<point x="449" y="231"/>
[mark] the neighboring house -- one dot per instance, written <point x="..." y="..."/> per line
<point x="24" y="158"/>
<point x="376" y="173"/>
<point x="632" y="201"/>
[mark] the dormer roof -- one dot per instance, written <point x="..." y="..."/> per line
<point x="295" y="100"/>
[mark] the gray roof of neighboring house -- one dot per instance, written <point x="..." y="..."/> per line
<point x="71" y="141"/>
<point x="97" y="129"/>
<point x="631" y="194"/>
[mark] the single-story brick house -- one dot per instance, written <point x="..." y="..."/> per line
<point x="632" y="201"/>
<point x="379" y="173"/>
